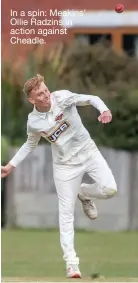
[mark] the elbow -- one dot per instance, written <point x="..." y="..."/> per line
<point x="33" y="146"/>
<point x="97" y="98"/>
<point x="30" y="146"/>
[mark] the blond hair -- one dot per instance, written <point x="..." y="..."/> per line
<point x="32" y="83"/>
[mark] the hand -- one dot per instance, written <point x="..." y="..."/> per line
<point x="105" y="117"/>
<point x="6" y="170"/>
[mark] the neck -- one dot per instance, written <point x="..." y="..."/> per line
<point x="43" y="109"/>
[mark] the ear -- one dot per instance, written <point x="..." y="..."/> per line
<point x="31" y="100"/>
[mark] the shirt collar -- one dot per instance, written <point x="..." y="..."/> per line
<point x="43" y="114"/>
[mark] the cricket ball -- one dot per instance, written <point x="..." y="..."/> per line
<point x="119" y="8"/>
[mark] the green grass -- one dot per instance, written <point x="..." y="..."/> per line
<point x="37" y="254"/>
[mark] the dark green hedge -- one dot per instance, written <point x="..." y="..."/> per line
<point x="84" y="69"/>
<point x="122" y="132"/>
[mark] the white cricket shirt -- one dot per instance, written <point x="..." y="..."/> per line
<point x="70" y="141"/>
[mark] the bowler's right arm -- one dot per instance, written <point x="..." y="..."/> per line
<point x="27" y="147"/>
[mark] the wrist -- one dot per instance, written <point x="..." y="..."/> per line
<point x="9" y="166"/>
<point x="107" y="110"/>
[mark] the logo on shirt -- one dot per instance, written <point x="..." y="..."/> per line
<point x="59" y="117"/>
<point x="61" y="129"/>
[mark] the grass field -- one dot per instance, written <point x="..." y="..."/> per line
<point x="36" y="255"/>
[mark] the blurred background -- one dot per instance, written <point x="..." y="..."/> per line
<point x="99" y="55"/>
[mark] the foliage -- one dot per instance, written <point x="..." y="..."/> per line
<point x="5" y="145"/>
<point x="95" y="69"/>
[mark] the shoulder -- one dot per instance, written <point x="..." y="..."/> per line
<point x="63" y="97"/>
<point x="31" y="117"/>
<point x="61" y="94"/>
<point x="32" y="122"/>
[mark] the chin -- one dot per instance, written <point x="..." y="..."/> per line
<point x="47" y="105"/>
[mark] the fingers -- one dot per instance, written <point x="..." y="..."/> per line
<point x="99" y="118"/>
<point x="3" y="175"/>
<point x="105" y="119"/>
<point x="4" y="172"/>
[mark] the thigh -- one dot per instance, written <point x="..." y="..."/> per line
<point x="98" y="169"/>
<point x="67" y="181"/>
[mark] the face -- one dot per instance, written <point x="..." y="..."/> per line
<point x="40" y="96"/>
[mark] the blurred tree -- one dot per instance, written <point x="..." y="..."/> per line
<point x="92" y="69"/>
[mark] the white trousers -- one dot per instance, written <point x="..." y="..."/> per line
<point x="68" y="180"/>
